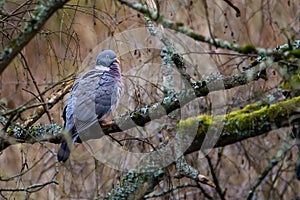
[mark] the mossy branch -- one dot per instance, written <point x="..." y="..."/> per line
<point x="243" y="124"/>
<point x="177" y="100"/>
<point x="218" y="43"/>
<point x="135" y="118"/>
<point x="135" y="185"/>
<point x="238" y="125"/>
<point x="43" y="11"/>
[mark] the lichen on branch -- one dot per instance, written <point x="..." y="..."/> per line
<point x="217" y="42"/>
<point x="42" y="12"/>
<point x="243" y="124"/>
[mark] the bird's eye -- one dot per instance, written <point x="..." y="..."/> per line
<point x="107" y="56"/>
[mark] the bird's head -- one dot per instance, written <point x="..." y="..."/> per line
<point x="106" y="58"/>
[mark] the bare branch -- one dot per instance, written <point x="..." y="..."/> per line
<point x="218" y="43"/>
<point x="277" y="158"/>
<point x="50" y="102"/>
<point x="186" y="170"/>
<point x="43" y="11"/>
<point x="237" y="10"/>
<point x="31" y="188"/>
<point x="136" y="184"/>
<point x="140" y="116"/>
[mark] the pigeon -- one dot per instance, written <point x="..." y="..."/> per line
<point x="95" y="95"/>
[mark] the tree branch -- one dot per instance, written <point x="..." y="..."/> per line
<point x="218" y="43"/>
<point x="239" y="125"/>
<point x="188" y="171"/>
<point x="138" y="117"/>
<point x="237" y="10"/>
<point x="243" y="124"/>
<point x="277" y="158"/>
<point x="135" y="185"/>
<point x="43" y="11"/>
<point x="251" y="121"/>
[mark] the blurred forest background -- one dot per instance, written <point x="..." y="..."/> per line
<point x="60" y="50"/>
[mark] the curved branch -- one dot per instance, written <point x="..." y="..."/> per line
<point x="218" y="43"/>
<point x="43" y="11"/>
<point x="29" y="134"/>
<point x="239" y="125"/>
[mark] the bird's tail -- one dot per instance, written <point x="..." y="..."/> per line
<point x="63" y="152"/>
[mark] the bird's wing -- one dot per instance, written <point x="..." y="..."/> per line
<point x="68" y="116"/>
<point x="106" y="95"/>
<point x="80" y="108"/>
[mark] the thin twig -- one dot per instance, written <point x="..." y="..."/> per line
<point x="237" y="10"/>
<point x="208" y="22"/>
<point x="41" y="98"/>
<point x="220" y="192"/>
<point x="43" y="12"/>
<point x="277" y="158"/>
<point x="218" y="43"/>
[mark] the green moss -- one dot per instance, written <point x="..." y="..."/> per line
<point x="252" y="120"/>
<point x="200" y="124"/>
<point x="193" y="35"/>
<point x="285" y="86"/>
<point x="179" y="23"/>
<point x="205" y="120"/>
<point x="295" y="79"/>
<point x="295" y="53"/>
<point x="13" y="43"/>
<point x="247" y="49"/>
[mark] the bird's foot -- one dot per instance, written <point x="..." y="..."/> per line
<point x="104" y="123"/>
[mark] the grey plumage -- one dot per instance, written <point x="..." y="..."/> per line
<point x="94" y="96"/>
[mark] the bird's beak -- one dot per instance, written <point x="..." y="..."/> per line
<point x="117" y="60"/>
